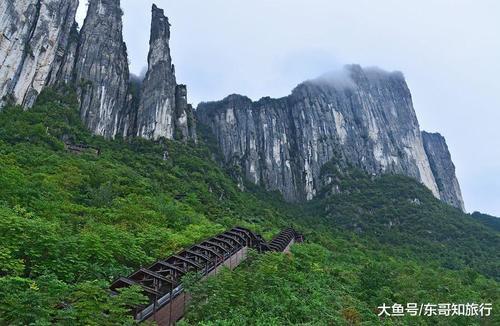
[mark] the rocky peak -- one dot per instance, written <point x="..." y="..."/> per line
<point x="361" y="116"/>
<point x="160" y="37"/>
<point x="443" y="169"/>
<point x="157" y="102"/>
<point x="40" y="45"/>
<point x="163" y="108"/>
<point x="101" y="69"/>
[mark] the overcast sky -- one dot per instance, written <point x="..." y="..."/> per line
<point x="449" y="51"/>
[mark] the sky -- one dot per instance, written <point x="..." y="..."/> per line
<point x="448" y="50"/>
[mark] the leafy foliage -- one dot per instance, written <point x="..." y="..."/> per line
<point x="394" y="213"/>
<point x="317" y="286"/>
<point x="71" y="223"/>
<point x="488" y="220"/>
<point x="81" y="218"/>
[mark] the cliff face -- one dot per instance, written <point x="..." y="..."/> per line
<point x="163" y="109"/>
<point x="65" y="61"/>
<point x="360" y="117"/>
<point x="33" y="36"/>
<point x="185" y="124"/>
<point x="101" y="70"/>
<point x="363" y="117"/>
<point x="443" y="168"/>
<point x="40" y="45"/>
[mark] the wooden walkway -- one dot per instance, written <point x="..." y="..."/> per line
<point x="161" y="282"/>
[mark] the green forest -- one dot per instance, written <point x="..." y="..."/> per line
<point x="71" y="223"/>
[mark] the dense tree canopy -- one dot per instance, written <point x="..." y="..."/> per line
<point x="71" y="223"/>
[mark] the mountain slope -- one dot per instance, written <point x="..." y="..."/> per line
<point x="488" y="220"/>
<point x="73" y="220"/>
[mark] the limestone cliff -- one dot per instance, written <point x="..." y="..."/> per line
<point x="185" y="124"/>
<point x="163" y="109"/>
<point x="101" y="69"/>
<point x="360" y="117"/>
<point x="65" y="60"/>
<point x="33" y="35"/>
<point x="40" y="45"/>
<point x="443" y="169"/>
<point x="363" y="117"/>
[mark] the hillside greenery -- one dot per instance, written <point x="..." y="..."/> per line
<point x="488" y="220"/>
<point x="71" y="223"/>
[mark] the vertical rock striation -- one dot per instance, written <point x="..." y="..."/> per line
<point x="163" y="109"/>
<point x="363" y="117"/>
<point x="157" y="103"/>
<point x="65" y="61"/>
<point x="40" y="45"/>
<point x="443" y="168"/>
<point x="184" y="117"/>
<point x="17" y="22"/>
<point x="33" y="36"/>
<point x="101" y="69"/>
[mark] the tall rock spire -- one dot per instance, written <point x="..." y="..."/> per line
<point x="101" y="68"/>
<point x="157" y="104"/>
<point x="443" y="169"/>
<point x="34" y="35"/>
<point x="163" y="109"/>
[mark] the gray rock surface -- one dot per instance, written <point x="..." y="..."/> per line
<point x="33" y="35"/>
<point x="101" y="69"/>
<point x="163" y="109"/>
<point x="40" y="45"/>
<point x="363" y="117"/>
<point x="184" y="116"/>
<point x="443" y="169"/>
<point x="65" y="61"/>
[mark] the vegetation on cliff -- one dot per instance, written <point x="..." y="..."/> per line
<point x="71" y="223"/>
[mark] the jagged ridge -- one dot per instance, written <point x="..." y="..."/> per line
<point x="363" y="117"/>
<point x="49" y="50"/>
<point x="163" y="109"/>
